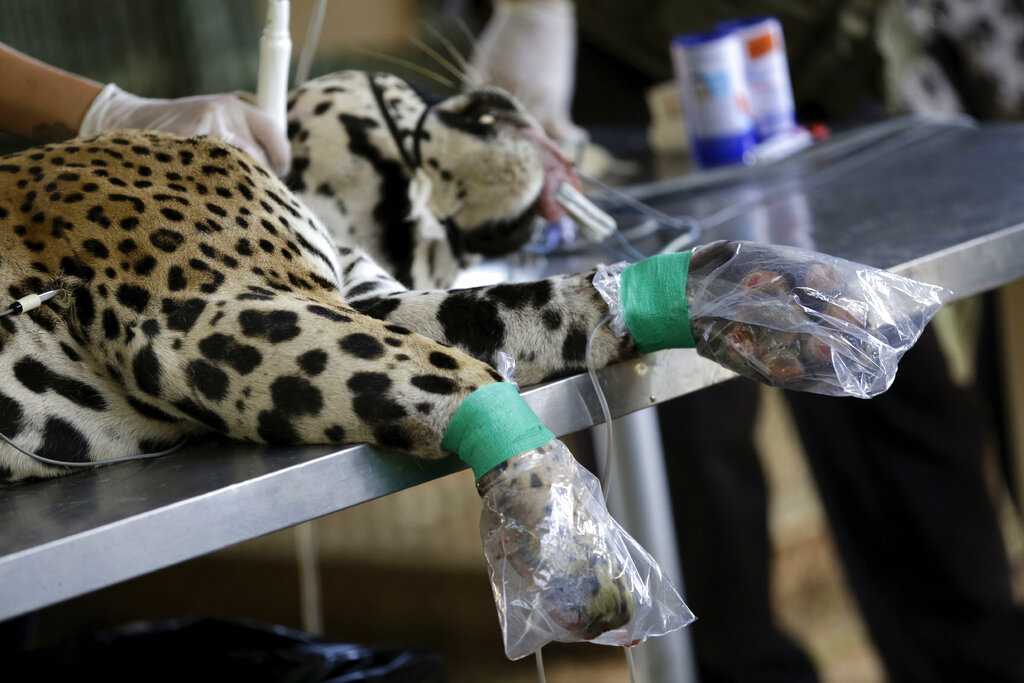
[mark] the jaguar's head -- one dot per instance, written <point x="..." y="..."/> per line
<point x="492" y="167"/>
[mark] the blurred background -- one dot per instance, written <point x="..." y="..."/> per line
<point x="409" y="568"/>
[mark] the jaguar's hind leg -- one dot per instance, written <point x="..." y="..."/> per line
<point x="281" y="368"/>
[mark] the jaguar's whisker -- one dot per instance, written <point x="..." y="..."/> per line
<point x="413" y="66"/>
<point x="470" y="74"/>
<point x="474" y="45"/>
<point x="438" y="57"/>
<point x="461" y="23"/>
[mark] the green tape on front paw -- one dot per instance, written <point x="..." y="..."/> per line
<point x="654" y="302"/>
<point x="491" y="425"/>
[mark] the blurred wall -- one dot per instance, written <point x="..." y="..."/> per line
<point x="149" y="47"/>
<point x="1012" y="319"/>
<point x="354" y="23"/>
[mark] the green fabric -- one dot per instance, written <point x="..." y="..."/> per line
<point x="654" y="302"/>
<point x="493" y="424"/>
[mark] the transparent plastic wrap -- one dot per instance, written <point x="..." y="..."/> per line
<point x="608" y="281"/>
<point x="560" y="567"/>
<point x="506" y="367"/>
<point x="797" y="319"/>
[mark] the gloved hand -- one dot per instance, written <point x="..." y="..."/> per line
<point x="529" y="49"/>
<point x="225" y="117"/>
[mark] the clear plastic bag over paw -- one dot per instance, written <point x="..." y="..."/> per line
<point x="560" y="567"/>
<point x="797" y="319"/>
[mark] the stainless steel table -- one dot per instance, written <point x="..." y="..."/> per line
<point x="938" y="201"/>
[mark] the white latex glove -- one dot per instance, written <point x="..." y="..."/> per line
<point x="529" y="48"/>
<point x="224" y="117"/>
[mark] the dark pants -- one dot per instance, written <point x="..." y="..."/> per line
<point x="901" y="479"/>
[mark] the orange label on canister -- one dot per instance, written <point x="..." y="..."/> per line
<point x="760" y="45"/>
<point x="767" y="74"/>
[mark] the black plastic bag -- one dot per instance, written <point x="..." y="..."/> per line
<point x="201" y="649"/>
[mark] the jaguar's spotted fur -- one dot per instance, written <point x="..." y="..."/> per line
<point x="419" y="186"/>
<point x="201" y="295"/>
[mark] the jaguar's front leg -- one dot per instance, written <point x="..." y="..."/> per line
<point x="543" y="325"/>
<point x="783" y="316"/>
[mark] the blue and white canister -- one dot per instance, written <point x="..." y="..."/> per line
<point x="711" y="71"/>
<point x="767" y="71"/>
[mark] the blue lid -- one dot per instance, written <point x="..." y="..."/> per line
<point x="711" y="152"/>
<point x="702" y="37"/>
<point x="744" y="22"/>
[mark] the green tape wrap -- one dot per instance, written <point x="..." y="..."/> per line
<point x="493" y="424"/>
<point x="654" y="302"/>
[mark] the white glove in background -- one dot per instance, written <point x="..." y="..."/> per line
<point x="529" y="48"/>
<point x="224" y="117"/>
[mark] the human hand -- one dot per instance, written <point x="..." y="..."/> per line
<point x="224" y="117"/>
<point x="529" y="49"/>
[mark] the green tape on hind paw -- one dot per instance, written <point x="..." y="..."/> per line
<point x="654" y="302"/>
<point x="491" y="425"/>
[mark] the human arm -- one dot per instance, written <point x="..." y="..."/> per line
<point x="529" y="48"/>
<point x="40" y="102"/>
<point x="45" y="104"/>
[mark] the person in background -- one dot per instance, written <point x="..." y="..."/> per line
<point x="44" y="104"/>
<point x="900" y="475"/>
<point x="529" y="48"/>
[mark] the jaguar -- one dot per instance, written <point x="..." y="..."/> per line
<point x="199" y="293"/>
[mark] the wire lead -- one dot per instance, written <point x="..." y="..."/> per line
<point x="97" y="463"/>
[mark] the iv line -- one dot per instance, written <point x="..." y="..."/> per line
<point x="606" y="478"/>
<point x="97" y="463"/>
<point x="609" y="450"/>
<point x="603" y="401"/>
<point x="30" y="303"/>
